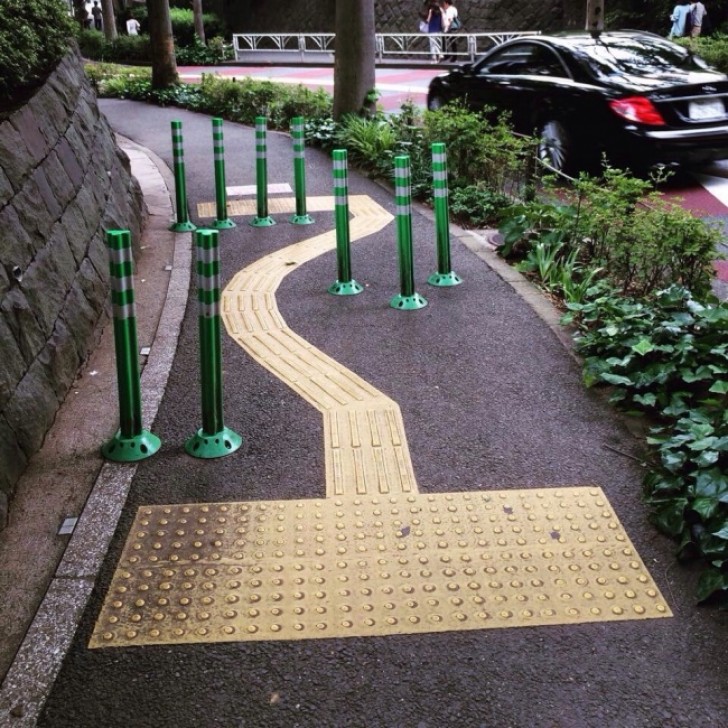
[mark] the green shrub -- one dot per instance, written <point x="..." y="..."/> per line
<point x="34" y="36"/>
<point x="479" y="151"/>
<point x="620" y="224"/>
<point x="478" y="205"/>
<point x="125" y="49"/>
<point x="669" y="358"/>
<point x="713" y="49"/>
<point x="183" y="26"/>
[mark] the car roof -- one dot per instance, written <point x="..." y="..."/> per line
<point x="579" y="39"/>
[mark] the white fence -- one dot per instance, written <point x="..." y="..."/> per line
<point x="403" y="47"/>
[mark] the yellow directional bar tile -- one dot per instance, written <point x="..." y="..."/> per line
<point x="375" y="557"/>
<point x="374" y="565"/>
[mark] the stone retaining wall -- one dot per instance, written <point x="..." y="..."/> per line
<point x="63" y="182"/>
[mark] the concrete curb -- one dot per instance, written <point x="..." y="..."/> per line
<point x="33" y="672"/>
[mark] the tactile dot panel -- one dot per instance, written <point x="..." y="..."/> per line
<point x="375" y="565"/>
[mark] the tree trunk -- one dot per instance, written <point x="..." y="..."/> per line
<point x="164" y="63"/>
<point x="354" y="57"/>
<point x="107" y="10"/>
<point x="199" y="23"/>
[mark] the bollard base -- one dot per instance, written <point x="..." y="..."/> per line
<point x="131" y="449"/>
<point x="445" y="279"/>
<point x="345" y="288"/>
<point x="204" y="445"/>
<point x="262" y="221"/>
<point x="225" y="224"/>
<point x="408" y="303"/>
<point x="183" y="227"/>
<point x="302" y="220"/>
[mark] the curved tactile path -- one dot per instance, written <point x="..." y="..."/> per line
<point x="374" y="557"/>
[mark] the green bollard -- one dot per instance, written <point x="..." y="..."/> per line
<point x="262" y="219"/>
<point x="183" y="224"/>
<point x="131" y="442"/>
<point x="445" y="276"/>
<point x="222" y="221"/>
<point x="213" y="439"/>
<point x="299" y="172"/>
<point x="407" y="299"/>
<point x="345" y="285"/>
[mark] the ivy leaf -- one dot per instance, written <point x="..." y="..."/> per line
<point x="668" y="517"/>
<point x="720" y="387"/>
<point x="673" y="461"/>
<point x="711" y="483"/>
<point x="703" y="443"/>
<point x="723" y="533"/>
<point x="643" y="346"/>
<point x="705" y="507"/>
<point x="649" y="399"/>
<point x="616" y="379"/>
<point x="707" y="458"/>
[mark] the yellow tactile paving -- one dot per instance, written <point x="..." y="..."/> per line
<point x="375" y="557"/>
<point x="374" y="565"/>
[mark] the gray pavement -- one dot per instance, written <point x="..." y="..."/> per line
<point x="491" y="398"/>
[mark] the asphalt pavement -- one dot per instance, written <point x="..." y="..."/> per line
<point x="493" y="408"/>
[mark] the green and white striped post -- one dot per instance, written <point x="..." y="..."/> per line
<point x="444" y="276"/>
<point x="221" y="221"/>
<point x="131" y="442"/>
<point x="262" y="219"/>
<point x="407" y="299"/>
<point x="213" y="439"/>
<point x="183" y="224"/>
<point x="345" y="285"/>
<point x="299" y="172"/>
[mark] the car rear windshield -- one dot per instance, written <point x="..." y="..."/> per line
<point x="640" y="56"/>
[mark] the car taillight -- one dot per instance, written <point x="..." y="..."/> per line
<point x="639" y="109"/>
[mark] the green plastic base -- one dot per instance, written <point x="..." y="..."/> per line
<point x="202" y="445"/>
<point x="408" y="303"/>
<point x="262" y="221"/>
<point x="347" y="288"/>
<point x="302" y="220"/>
<point x="183" y="227"/>
<point x="225" y="224"/>
<point x="130" y="449"/>
<point x="445" y="279"/>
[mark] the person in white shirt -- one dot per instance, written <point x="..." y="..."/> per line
<point x="132" y="26"/>
<point x="449" y="13"/>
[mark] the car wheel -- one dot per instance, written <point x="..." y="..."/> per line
<point x="435" y="102"/>
<point x="555" y="146"/>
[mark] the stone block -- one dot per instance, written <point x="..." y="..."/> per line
<point x="16" y="247"/>
<point x="13" y="461"/>
<point x="74" y="227"/>
<point x="27" y="125"/>
<point x="4" y="281"/>
<point x="70" y="164"/>
<point x="32" y="213"/>
<point x="93" y="285"/>
<point x="66" y="81"/>
<point x="81" y="147"/>
<point x="59" y="181"/>
<point x="32" y="408"/>
<point x="46" y="194"/>
<point x="15" y="159"/>
<point x="61" y="360"/>
<point x="79" y="318"/>
<point x="13" y="368"/>
<point x="23" y="325"/>
<point x="51" y="114"/>
<point x="48" y="279"/>
<point x="6" y="189"/>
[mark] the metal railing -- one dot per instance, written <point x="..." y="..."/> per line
<point x="398" y="47"/>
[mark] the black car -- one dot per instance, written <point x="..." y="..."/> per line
<point x="641" y="99"/>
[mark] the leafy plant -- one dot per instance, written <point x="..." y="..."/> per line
<point x="33" y="38"/>
<point x="669" y="358"/>
<point x="478" y="205"/>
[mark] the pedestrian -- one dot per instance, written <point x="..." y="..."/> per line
<point x="450" y="24"/>
<point x="96" y="12"/>
<point x="434" y="28"/>
<point x="423" y="15"/>
<point x="697" y="18"/>
<point x="133" y="26"/>
<point x="680" y="18"/>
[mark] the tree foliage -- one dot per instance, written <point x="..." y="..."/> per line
<point x="34" y="36"/>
